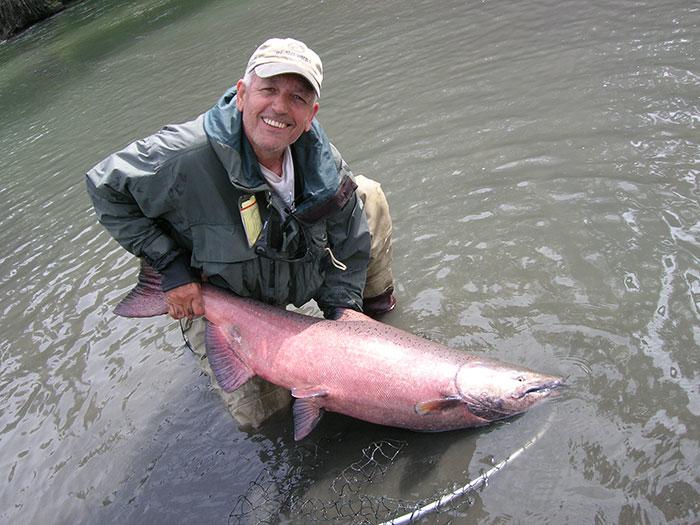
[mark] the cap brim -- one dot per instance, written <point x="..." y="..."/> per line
<point x="271" y="70"/>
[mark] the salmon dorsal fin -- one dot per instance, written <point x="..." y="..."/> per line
<point x="230" y="371"/>
<point x="437" y="405"/>
<point x="307" y="414"/>
<point x="146" y="299"/>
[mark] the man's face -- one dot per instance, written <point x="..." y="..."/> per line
<point x="276" y="111"/>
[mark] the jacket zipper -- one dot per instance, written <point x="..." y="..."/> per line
<point x="272" y="280"/>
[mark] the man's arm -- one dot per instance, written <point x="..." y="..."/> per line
<point x="127" y="192"/>
<point x="349" y="242"/>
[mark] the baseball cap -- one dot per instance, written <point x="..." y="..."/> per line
<point x="286" y="55"/>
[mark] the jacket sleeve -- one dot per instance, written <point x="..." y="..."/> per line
<point x="349" y="242"/>
<point x="130" y="195"/>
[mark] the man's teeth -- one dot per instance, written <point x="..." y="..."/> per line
<point x="274" y="123"/>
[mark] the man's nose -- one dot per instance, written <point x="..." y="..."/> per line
<point x="279" y="104"/>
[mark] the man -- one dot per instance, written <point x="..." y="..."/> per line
<point x="252" y="197"/>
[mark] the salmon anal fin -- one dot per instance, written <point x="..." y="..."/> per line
<point x="437" y="405"/>
<point x="311" y="392"/>
<point x="146" y="299"/>
<point x="307" y="414"/>
<point x="230" y="371"/>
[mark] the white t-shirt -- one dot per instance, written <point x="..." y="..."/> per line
<point x="283" y="187"/>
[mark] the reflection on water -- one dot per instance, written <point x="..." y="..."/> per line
<point x="540" y="159"/>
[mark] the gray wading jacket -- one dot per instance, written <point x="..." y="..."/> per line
<point x="173" y="198"/>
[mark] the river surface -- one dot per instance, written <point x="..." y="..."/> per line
<point x="541" y="163"/>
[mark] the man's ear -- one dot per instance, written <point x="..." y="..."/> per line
<point x="313" y="114"/>
<point x="240" y="94"/>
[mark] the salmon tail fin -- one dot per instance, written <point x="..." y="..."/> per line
<point x="146" y="299"/>
<point x="230" y="371"/>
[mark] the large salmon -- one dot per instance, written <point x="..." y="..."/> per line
<point x="355" y="366"/>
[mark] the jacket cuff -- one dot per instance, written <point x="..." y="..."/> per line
<point x="332" y="313"/>
<point x="177" y="273"/>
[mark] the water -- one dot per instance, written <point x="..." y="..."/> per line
<point x="541" y="162"/>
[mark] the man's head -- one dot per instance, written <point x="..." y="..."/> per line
<point x="277" y="97"/>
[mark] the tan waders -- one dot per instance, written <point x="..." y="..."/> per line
<point x="379" y="286"/>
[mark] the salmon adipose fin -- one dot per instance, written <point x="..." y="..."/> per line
<point x="146" y="299"/>
<point x="307" y="410"/>
<point x="228" y="368"/>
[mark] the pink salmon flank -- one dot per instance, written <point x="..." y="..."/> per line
<point x="355" y="366"/>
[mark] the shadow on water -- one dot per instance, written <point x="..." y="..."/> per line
<point x="346" y="471"/>
<point x="351" y="471"/>
<point x="56" y="53"/>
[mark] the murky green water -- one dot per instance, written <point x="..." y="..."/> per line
<point x="541" y="162"/>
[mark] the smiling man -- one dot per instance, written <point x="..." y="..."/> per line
<point x="252" y="197"/>
<point x="276" y="111"/>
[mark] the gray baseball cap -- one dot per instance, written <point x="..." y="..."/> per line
<point x="277" y="56"/>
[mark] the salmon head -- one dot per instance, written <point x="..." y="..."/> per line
<point x="493" y="390"/>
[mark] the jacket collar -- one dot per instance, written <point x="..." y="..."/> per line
<point x="312" y="153"/>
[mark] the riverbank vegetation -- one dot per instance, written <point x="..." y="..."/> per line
<point x="16" y="15"/>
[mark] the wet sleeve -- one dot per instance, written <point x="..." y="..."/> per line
<point x="128" y="194"/>
<point x="349" y="242"/>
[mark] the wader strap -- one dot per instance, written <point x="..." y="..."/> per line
<point x="331" y="205"/>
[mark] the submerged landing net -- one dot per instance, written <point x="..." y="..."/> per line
<point x="350" y="499"/>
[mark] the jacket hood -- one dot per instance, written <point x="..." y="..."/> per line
<point x="312" y="153"/>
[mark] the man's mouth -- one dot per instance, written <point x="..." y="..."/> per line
<point x="274" y="123"/>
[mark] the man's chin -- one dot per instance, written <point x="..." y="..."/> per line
<point x="273" y="144"/>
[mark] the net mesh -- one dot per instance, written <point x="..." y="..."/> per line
<point x="348" y="498"/>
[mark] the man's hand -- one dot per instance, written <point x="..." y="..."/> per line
<point x="185" y="301"/>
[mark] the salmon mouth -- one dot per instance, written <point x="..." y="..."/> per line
<point x="545" y="389"/>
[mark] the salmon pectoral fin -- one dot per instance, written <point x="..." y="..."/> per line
<point x="437" y="405"/>
<point x="307" y="414"/>
<point x="228" y="368"/>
